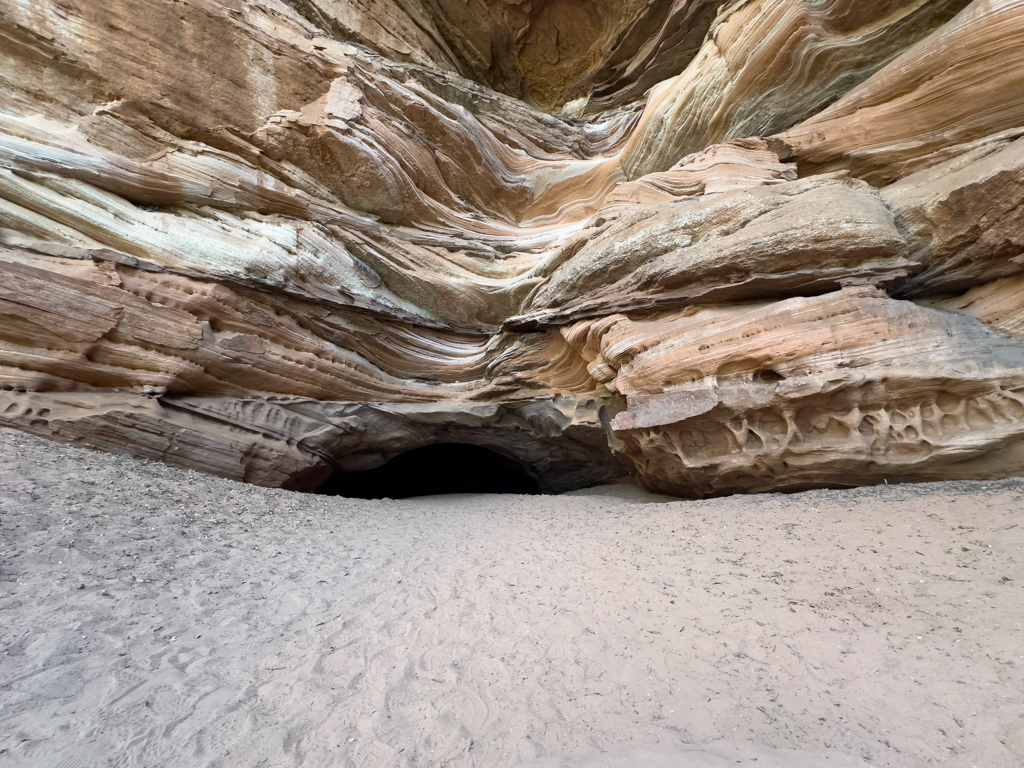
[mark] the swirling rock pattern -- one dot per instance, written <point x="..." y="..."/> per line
<point x="747" y="247"/>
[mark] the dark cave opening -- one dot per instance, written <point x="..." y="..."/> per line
<point x="432" y="470"/>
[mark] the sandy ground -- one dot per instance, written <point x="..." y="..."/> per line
<point x="154" y="617"/>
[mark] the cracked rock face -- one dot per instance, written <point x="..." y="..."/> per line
<point x="720" y="248"/>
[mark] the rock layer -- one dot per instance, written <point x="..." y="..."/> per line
<point x="764" y="246"/>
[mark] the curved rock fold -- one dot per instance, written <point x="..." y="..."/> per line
<point x="763" y="246"/>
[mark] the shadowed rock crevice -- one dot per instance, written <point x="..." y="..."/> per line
<point x="432" y="470"/>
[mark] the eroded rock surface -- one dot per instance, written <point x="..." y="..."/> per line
<point x="759" y="246"/>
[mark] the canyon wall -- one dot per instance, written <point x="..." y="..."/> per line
<point x="720" y="248"/>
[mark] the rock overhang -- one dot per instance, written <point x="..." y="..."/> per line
<point x="206" y="264"/>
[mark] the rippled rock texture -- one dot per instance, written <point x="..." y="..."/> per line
<point x="739" y="247"/>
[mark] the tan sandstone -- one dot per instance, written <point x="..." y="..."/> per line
<point x="760" y="246"/>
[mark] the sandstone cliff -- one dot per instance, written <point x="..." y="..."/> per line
<point x="722" y="248"/>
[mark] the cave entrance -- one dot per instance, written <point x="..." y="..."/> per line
<point x="432" y="470"/>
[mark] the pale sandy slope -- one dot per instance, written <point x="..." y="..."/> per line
<point x="153" y="617"/>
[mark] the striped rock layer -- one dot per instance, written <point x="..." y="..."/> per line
<point x="720" y="248"/>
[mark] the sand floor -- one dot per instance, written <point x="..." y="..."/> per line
<point x="155" y="617"/>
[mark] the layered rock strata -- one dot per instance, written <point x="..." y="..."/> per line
<point x="760" y="246"/>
